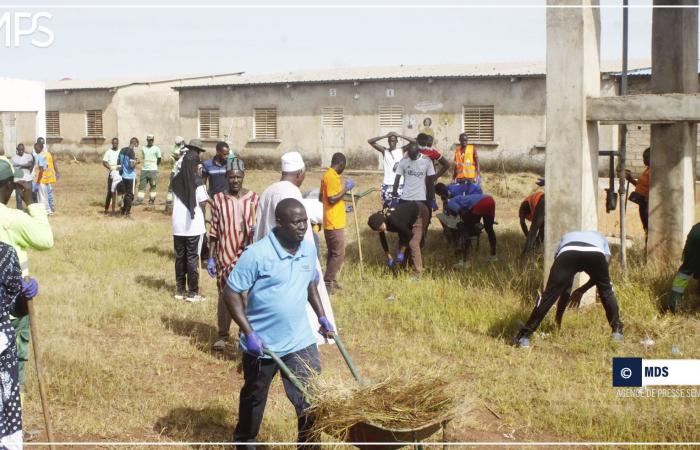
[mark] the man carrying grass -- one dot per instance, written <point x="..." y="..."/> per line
<point x="279" y="273"/>
<point x="232" y="226"/>
<point x="578" y="251"/>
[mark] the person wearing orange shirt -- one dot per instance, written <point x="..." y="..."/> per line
<point x="640" y="196"/>
<point x="334" y="220"/>
<point x="466" y="167"/>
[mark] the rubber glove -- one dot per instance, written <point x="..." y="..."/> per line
<point x="326" y="326"/>
<point x="35" y="188"/>
<point x="211" y="267"/>
<point x="394" y="202"/>
<point x="349" y="184"/>
<point x="30" y="288"/>
<point x="434" y="205"/>
<point x="390" y="262"/>
<point x="254" y="344"/>
<point x="400" y="256"/>
<point x="348" y="208"/>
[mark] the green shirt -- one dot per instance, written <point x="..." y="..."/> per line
<point x="111" y="157"/>
<point x="150" y="157"/>
<point x="25" y="231"/>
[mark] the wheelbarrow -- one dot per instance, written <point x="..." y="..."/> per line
<point x="366" y="435"/>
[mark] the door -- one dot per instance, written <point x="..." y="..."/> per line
<point x="332" y="132"/>
<point x="8" y="132"/>
<point x="391" y="118"/>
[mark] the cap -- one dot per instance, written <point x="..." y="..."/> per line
<point x="292" y="161"/>
<point x="7" y="171"/>
<point x="235" y="164"/>
<point x="179" y="140"/>
<point x="150" y="136"/>
<point x="196" y="144"/>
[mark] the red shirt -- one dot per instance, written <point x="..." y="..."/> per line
<point x="431" y="153"/>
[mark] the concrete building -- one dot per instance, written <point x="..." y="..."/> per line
<point x="21" y="113"/>
<point x="501" y="107"/>
<point x="83" y="116"/>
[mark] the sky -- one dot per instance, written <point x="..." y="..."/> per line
<point x="177" y="38"/>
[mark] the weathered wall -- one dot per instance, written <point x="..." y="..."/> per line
<point x="71" y="106"/>
<point x="22" y="112"/>
<point x="518" y="115"/>
<point x="147" y="109"/>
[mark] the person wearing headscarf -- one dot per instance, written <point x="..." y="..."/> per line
<point x="188" y="222"/>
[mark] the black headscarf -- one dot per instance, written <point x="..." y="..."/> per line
<point x="187" y="180"/>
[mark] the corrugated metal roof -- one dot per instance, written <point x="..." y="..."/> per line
<point x="402" y="72"/>
<point x="116" y="83"/>
<point x="642" y="70"/>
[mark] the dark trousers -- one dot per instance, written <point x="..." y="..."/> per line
<point x="258" y="374"/>
<point x="128" y="195"/>
<point x="561" y="278"/>
<point x="335" y="243"/>
<point x="469" y="222"/>
<point x="644" y="214"/>
<point x="108" y="199"/>
<point x="186" y="264"/>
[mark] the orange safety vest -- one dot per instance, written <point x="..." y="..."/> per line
<point x="533" y="200"/>
<point x="49" y="175"/>
<point x="465" y="164"/>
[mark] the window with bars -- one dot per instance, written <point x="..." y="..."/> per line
<point x="391" y="116"/>
<point x="265" y="123"/>
<point x="93" y="123"/>
<point x="209" y="123"/>
<point x="53" y="126"/>
<point x="478" y="122"/>
<point x="333" y="116"/>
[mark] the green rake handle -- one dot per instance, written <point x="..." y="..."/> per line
<point x="346" y="357"/>
<point x="288" y="373"/>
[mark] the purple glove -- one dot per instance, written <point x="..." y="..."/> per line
<point x="35" y="187"/>
<point x="211" y="267"/>
<point x="400" y="256"/>
<point x="390" y="262"/>
<point x="326" y="326"/>
<point x="30" y="288"/>
<point x="349" y="184"/>
<point x="254" y="344"/>
<point x="434" y="205"/>
<point x="394" y="202"/>
<point x="348" y="208"/>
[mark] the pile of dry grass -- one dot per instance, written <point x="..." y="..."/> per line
<point x="396" y="403"/>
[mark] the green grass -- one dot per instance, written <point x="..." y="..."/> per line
<point x="126" y="362"/>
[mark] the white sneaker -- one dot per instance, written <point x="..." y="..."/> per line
<point x="492" y="258"/>
<point x="195" y="298"/>
<point x="219" y="345"/>
<point x="461" y="265"/>
<point x="179" y="296"/>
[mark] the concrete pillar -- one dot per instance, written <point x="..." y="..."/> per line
<point x="571" y="160"/>
<point x="674" y="53"/>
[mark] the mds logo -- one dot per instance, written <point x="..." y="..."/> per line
<point x="655" y="372"/>
<point x="19" y="26"/>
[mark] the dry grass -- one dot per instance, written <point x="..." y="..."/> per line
<point x="126" y="362"/>
<point x="397" y="402"/>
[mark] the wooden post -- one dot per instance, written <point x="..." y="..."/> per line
<point x="38" y="363"/>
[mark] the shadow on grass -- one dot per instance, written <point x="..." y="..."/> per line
<point x="196" y="425"/>
<point x="202" y="336"/>
<point x="507" y="327"/>
<point x="154" y="283"/>
<point x="160" y="252"/>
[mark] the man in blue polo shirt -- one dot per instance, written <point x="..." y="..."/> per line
<point x="279" y="273"/>
<point x="214" y="170"/>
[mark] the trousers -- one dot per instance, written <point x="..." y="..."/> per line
<point x="561" y="278"/>
<point x="335" y="243"/>
<point x="258" y="374"/>
<point x="186" y="264"/>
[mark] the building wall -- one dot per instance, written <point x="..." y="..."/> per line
<point x="22" y="113"/>
<point x="72" y="106"/>
<point x="147" y="109"/>
<point x="519" y="132"/>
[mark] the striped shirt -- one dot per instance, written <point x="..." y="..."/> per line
<point x="232" y="226"/>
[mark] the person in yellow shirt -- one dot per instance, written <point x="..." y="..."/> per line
<point x="334" y="220"/>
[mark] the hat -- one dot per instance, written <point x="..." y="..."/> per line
<point x="292" y="162"/>
<point x="179" y="140"/>
<point x="7" y="171"/>
<point x="150" y="136"/>
<point x="196" y="144"/>
<point x="235" y="164"/>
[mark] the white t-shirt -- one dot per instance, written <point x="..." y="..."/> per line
<point x="391" y="160"/>
<point x="183" y="224"/>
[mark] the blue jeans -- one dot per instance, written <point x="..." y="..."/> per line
<point x="258" y="374"/>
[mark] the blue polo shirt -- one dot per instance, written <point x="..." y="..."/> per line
<point x="277" y="284"/>
<point x="216" y="175"/>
